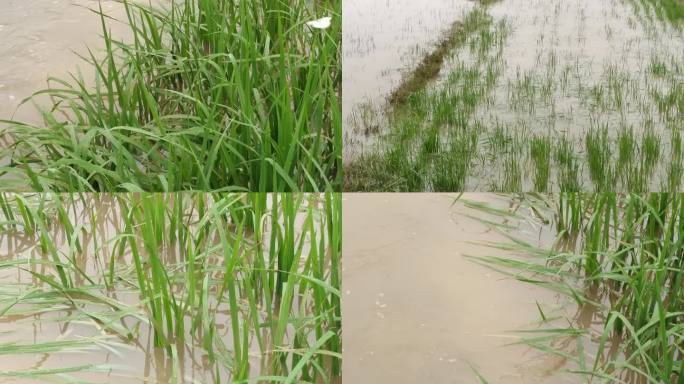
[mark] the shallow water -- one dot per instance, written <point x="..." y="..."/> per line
<point x="577" y="47"/>
<point x="38" y="39"/>
<point x="416" y="310"/>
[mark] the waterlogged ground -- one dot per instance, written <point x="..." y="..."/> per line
<point x="381" y="40"/>
<point x="542" y="95"/>
<point x="38" y="39"/>
<point x="100" y="330"/>
<point x="416" y="309"/>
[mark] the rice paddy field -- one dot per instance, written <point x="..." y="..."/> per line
<point x="170" y="288"/>
<point x="571" y="288"/>
<point x="519" y="95"/>
<point x="177" y="95"/>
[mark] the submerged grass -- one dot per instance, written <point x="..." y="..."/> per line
<point x="619" y="258"/>
<point x="203" y="95"/>
<point x="248" y="281"/>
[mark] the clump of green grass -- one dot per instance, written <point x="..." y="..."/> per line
<point x="204" y="95"/>
<point x="598" y="157"/>
<point x="540" y="151"/>
<point x="264" y="267"/>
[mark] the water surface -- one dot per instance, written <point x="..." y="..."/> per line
<point x="38" y="39"/>
<point x="416" y="310"/>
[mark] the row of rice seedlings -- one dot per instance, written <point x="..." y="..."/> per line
<point x="672" y="10"/>
<point x="431" y="142"/>
<point x="270" y="262"/>
<point x="619" y="259"/>
<point x="203" y="95"/>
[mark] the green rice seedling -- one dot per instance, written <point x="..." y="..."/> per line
<point x="500" y="139"/>
<point x="540" y="152"/>
<point x="452" y="167"/>
<point x="599" y="156"/>
<point x="651" y="150"/>
<point x="611" y="110"/>
<point x="512" y="176"/>
<point x="626" y="147"/>
<point x="568" y="175"/>
<point x="248" y="282"/>
<point x="657" y="67"/>
<point x="675" y="169"/>
<point x="203" y="95"/>
<point x="426" y="125"/>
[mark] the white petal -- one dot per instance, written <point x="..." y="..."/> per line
<point x="321" y="23"/>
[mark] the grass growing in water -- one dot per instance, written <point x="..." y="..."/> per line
<point x="204" y="95"/>
<point x="248" y="282"/>
<point x="434" y="142"/>
<point x="619" y="259"/>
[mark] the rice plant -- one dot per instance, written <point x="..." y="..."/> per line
<point x="202" y="95"/>
<point x="246" y="283"/>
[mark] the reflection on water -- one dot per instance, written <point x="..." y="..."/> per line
<point x="416" y="310"/>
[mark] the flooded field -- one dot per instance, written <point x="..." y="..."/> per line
<point x="41" y="38"/>
<point x="512" y="289"/>
<point x="559" y="95"/>
<point x="381" y="40"/>
<point x="176" y="288"/>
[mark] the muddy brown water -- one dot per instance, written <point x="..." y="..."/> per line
<point x="416" y="310"/>
<point x="41" y="38"/>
